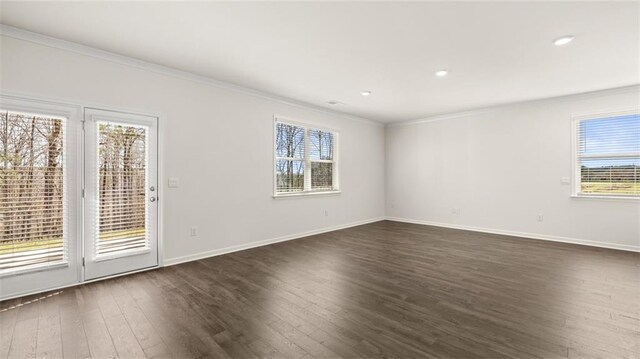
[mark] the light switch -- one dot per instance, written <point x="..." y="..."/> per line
<point x="174" y="182"/>
<point x="565" y="180"/>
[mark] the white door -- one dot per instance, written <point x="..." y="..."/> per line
<point x="121" y="193"/>
<point x="40" y="166"/>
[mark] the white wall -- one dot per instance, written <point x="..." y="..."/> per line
<point x="226" y="186"/>
<point x="501" y="168"/>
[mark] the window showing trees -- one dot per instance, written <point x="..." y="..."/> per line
<point x="290" y="159"/>
<point x="32" y="209"/>
<point x="305" y="159"/>
<point x="321" y="157"/>
<point x="608" y="156"/>
<point x="122" y="176"/>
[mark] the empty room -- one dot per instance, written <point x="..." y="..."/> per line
<point x="298" y="180"/>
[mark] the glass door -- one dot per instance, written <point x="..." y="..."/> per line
<point x="121" y="212"/>
<point x="40" y="189"/>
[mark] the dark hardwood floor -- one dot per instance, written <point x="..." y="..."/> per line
<point x="387" y="290"/>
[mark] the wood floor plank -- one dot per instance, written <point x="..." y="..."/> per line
<point x="25" y="332"/>
<point x="123" y="338"/>
<point x="263" y="350"/>
<point x="382" y="290"/>
<point x="143" y="330"/>
<point x="74" y="339"/>
<point x="8" y="317"/>
<point x="159" y="351"/>
<point x="49" y="342"/>
<point x="179" y="328"/>
<point x="97" y="334"/>
<point x="25" y="338"/>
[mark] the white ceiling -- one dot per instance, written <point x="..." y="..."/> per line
<point x="497" y="52"/>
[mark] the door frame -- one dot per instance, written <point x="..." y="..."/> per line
<point x="78" y="108"/>
<point x="93" y="266"/>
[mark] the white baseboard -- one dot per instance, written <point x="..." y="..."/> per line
<point x="216" y="252"/>
<point x="543" y="237"/>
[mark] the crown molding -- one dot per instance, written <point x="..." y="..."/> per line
<point x="56" y="43"/>
<point x="484" y="110"/>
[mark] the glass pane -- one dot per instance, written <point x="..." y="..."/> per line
<point x="614" y="176"/>
<point x="321" y="176"/>
<point x="611" y="135"/>
<point x="32" y="209"/>
<point x="289" y="141"/>
<point x="320" y="145"/>
<point x="122" y="184"/>
<point x="289" y="176"/>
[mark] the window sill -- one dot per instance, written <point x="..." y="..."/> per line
<point x="306" y="194"/>
<point x="605" y="197"/>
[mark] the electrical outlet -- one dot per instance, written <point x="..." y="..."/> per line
<point x="193" y="232"/>
<point x="326" y="213"/>
<point x="540" y="218"/>
<point x="455" y="211"/>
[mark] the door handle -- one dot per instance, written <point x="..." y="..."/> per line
<point x="152" y="199"/>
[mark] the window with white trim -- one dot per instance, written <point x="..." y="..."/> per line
<point x="608" y="155"/>
<point x="305" y="159"/>
<point x="33" y="202"/>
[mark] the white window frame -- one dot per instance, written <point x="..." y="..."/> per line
<point x="576" y="182"/>
<point x="307" y="191"/>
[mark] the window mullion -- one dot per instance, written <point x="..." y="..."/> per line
<point x="307" y="162"/>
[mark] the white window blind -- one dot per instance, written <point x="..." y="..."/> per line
<point x="122" y="175"/>
<point x="305" y="159"/>
<point x="33" y="200"/>
<point x="608" y="156"/>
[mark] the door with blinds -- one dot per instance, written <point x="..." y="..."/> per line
<point x="120" y="205"/>
<point x="40" y="190"/>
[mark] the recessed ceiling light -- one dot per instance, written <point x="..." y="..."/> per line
<point x="442" y="73"/>
<point x="561" y="41"/>
<point x="333" y="102"/>
<point x="365" y="93"/>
